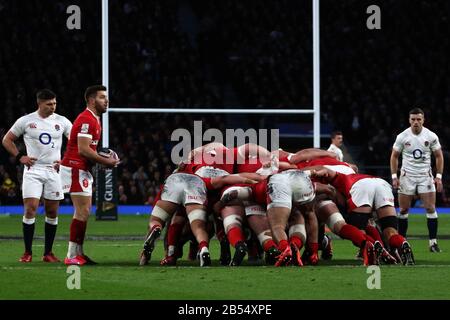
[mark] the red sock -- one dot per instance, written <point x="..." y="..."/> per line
<point x="269" y="244"/>
<point x="396" y="241"/>
<point x="77" y="231"/>
<point x="173" y="233"/>
<point x="202" y="244"/>
<point x="373" y="232"/>
<point x="282" y="245"/>
<point x="313" y="247"/>
<point x="297" y="241"/>
<point x="352" y="233"/>
<point x="235" y="235"/>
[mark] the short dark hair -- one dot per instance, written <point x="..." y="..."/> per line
<point x="91" y="91"/>
<point x="45" y="94"/>
<point x="336" y="133"/>
<point x="417" y="111"/>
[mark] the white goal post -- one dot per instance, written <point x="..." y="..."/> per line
<point x="316" y="85"/>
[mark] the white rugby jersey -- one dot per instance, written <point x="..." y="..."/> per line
<point x="336" y="150"/>
<point x="416" y="150"/>
<point x="42" y="136"/>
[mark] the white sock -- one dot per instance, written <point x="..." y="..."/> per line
<point x="171" y="251"/>
<point x="80" y="251"/>
<point x="72" y="251"/>
<point x="432" y="241"/>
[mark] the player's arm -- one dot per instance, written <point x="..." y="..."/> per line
<point x="394" y="168"/>
<point x="220" y="182"/>
<point x="439" y="169"/>
<point x="310" y="154"/>
<point x="282" y="165"/>
<point x="85" y="151"/>
<point x="10" y="146"/>
<point x="253" y="176"/>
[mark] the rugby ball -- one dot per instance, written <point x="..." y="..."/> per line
<point x="107" y="153"/>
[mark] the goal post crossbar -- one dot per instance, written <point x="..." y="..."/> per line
<point x="201" y="110"/>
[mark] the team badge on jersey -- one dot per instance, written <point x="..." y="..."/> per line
<point x="85" y="128"/>
<point x="57" y="127"/>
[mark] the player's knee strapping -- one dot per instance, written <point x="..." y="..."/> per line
<point x="333" y="219"/>
<point x="160" y="213"/>
<point x="197" y="214"/>
<point x="230" y="221"/>
<point x="324" y="203"/>
<point x="358" y="220"/>
<point x="298" y="230"/>
<point x="388" y="222"/>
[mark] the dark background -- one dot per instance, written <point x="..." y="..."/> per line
<point x="228" y="54"/>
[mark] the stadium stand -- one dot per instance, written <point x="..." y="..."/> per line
<point x="195" y="53"/>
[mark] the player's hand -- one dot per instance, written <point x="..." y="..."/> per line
<point x="439" y="186"/>
<point x="111" y="162"/>
<point x="395" y="183"/>
<point x="28" y="161"/>
<point x="56" y="165"/>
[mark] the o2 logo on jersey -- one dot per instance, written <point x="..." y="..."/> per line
<point x="46" y="139"/>
<point x="417" y="154"/>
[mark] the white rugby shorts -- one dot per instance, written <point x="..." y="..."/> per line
<point x="41" y="181"/>
<point x="183" y="188"/>
<point x="287" y="187"/>
<point x="410" y="185"/>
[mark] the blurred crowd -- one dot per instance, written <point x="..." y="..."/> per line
<point x="217" y="54"/>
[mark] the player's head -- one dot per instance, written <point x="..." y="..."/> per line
<point x="96" y="98"/>
<point x="416" y="119"/>
<point x="46" y="100"/>
<point x="337" y="138"/>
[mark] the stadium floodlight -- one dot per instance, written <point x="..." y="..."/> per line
<point x="316" y="85"/>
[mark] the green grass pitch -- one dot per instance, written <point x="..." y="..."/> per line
<point x="118" y="275"/>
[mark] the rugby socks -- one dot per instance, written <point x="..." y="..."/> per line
<point x="353" y="234"/>
<point x="202" y="244"/>
<point x="313" y="248"/>
<point x="282" y="245"/>
<point x="396" y="241"/>
<point x="402" y="224"/>
<point x="77" y="233"/>
<point x="235" y="234"/>
<point x="50" y="231"/>
<point x="269" y="244"/>
<point x="173" y="236"/>
<point x="297" y="241"/>
<point x="28" y="233"/>
<point x="373" y="232"/>
<point x="432" y="223"/>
